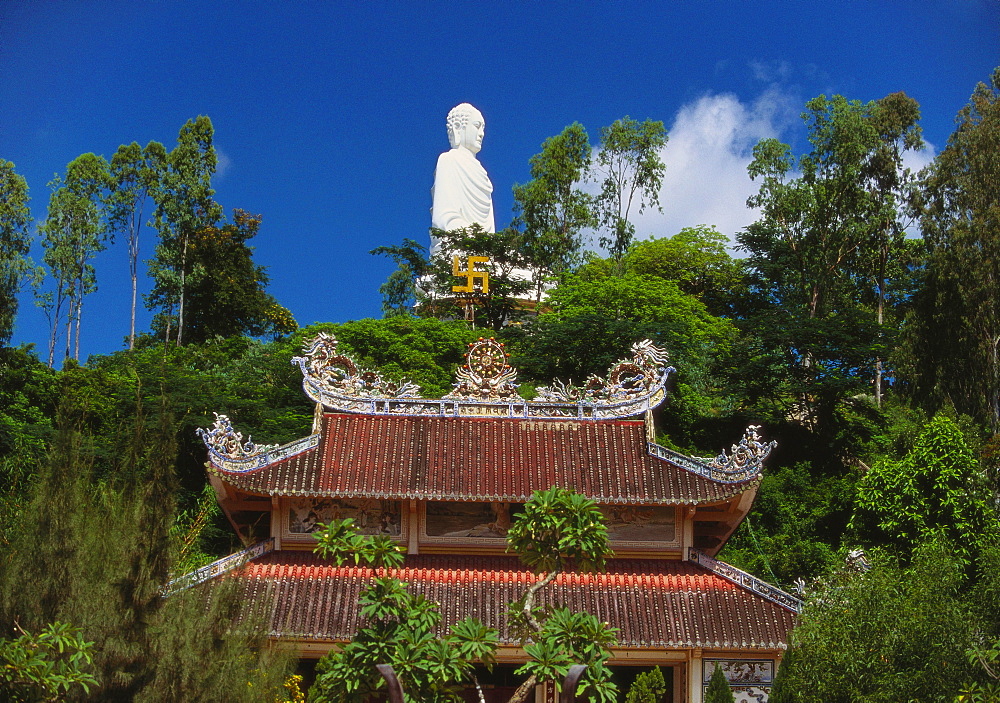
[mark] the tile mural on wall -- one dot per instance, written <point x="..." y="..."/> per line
<point x="749" y="679"/>
<point x="638" y="523"/>
<point x="451" y="520"/>
<point x="371" y="516"/>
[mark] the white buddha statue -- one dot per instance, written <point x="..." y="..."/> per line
<point x="462" y="193"/>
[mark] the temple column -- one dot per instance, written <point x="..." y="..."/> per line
<point x="413" y="529"/>
<point x="694" y="676"/>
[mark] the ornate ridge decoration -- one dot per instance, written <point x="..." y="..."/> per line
<point x="222" y="439"/>
<point x="340" y="374"/>
<point x="228" y="451"/>
<point x="745" y="459"/>
<point x="747" y="581"/>
<point x="627" y="379"/>
<point x="486" y="375"/>
<point x="218" y="567"/>
<point x="485" y="386"/>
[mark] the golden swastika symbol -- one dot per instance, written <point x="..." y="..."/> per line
<point x="470" y="274"/>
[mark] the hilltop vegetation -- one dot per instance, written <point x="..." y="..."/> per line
<point x="869" y="355"/>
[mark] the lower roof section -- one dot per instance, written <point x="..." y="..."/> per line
<point x="655" y="604"/>
<point x="485" y="459"/>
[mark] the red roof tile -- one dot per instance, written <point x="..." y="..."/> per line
<point x="438" y="458"/>
<point x="654" y="603"/>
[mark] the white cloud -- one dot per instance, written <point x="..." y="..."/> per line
<point x="916" y="160"/>
<point x="223" y="162"/>
<point x="710" y="146"/>
<point x="771" y="71"/>
<point x="711" y="143"/>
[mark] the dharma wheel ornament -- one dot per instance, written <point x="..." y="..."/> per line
<point x="486" y="375"/>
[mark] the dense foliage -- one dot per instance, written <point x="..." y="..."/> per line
<point x="869" y="355"/>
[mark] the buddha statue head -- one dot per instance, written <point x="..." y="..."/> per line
<point x="466" y="128"/>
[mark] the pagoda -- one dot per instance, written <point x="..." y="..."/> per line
<point x="445" y="478"/>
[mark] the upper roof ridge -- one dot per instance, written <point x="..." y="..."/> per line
<point x="485" y="386"/>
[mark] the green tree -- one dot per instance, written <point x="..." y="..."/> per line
<point x="886" y="635"/>
<point x="57" y="237"/>
<point x="135" y="173"/>
<point x="648" y="687"/>
<point x="558" y="530"/>
<point x="97" y="548"/>
<point x="225" y="292"/>
<point x="820" y="250"/>
<point x="987" y="657"/>
<point x="506" y="266"/>
<point x="894" y="119"/>
<point x="47" y="666"/>
<point x="74" y="231"/>
<point x="696" y="260"/>
<point x="400" y="629"/>
<point x="87" y="180"/>
<point x="780" y="693"/>
<point x="27" y="402"/>
<point x="15" y="242"/>
<point x="593" y="324"/>
<point x="551" y="207"/>
<point x="956" y="323"/>
<point x="937" y="490"/>
<point x="184" y="205"/>
<point x="718" y="688"/>
<point x="400" y="292"/>
<point x="630" y="172"/>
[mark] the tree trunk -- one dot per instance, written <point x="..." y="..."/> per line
<point x="69" y="327"/>
<point x="133" y="251"/>
<point x="76" y="342"/>
<point x="52" y="340"/>
<point x="878" y="361"/>
<point x="529" y="602"/>
<point x="995" y="389"/>
<point x="180" y="307"/>
<point x="524" y="689"/>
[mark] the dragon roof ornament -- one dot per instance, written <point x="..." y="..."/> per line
<point x="744" y="460"/>
<point x="626" y="379"/>
<point x="229" y="451"/>
<point x="338" y="372"/>
<point x="223" y="440"/>
<point x="485" y="386"/>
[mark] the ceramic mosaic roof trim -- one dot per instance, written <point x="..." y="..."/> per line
<point x="485" y="387"/>
<point x="228" y="451"/>
<point x="477" y="459"/>
<point x="744" y="462"/>
<point x="749" y="581"/>
<point x="219" y="567"/>
<point x="653" y="603"/>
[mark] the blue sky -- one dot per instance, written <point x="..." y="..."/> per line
<point x="329" y="116"/>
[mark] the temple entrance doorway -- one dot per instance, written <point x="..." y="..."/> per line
<point x="624" y="677"/>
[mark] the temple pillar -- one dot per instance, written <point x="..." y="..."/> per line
<point x="413" y="528"/>
<point x="694" y="668"/>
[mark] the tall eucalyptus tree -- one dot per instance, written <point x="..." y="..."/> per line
<point x="956" y="340"/>
<point x="135" y="174"/>
<point x="630" y="171"/>
<point x="73" y="232"/>
<point x="15" y="242"/>
<point x="184" y="204"/>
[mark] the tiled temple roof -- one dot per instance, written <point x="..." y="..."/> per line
<point x="447" y="458"/>
<point x="653" y="603"/>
